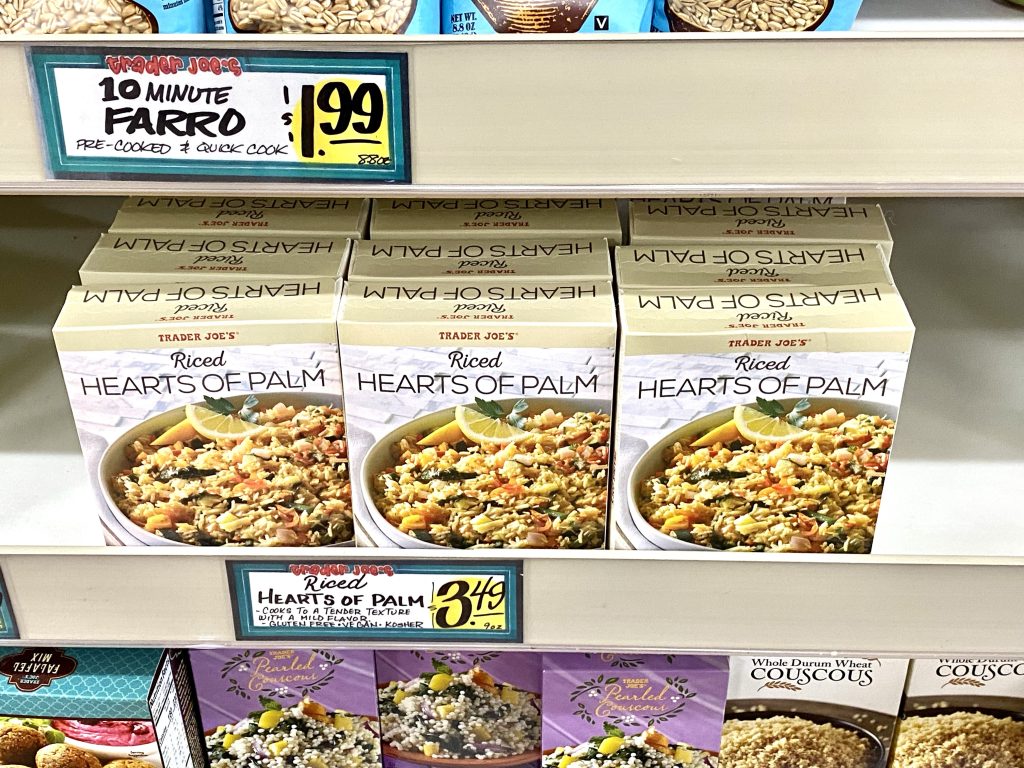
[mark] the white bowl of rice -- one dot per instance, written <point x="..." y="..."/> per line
<point x="766" y="523"/>
<point x="115" y="463"/>
<point x="587" y="483"/>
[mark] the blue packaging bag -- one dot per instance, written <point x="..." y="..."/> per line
<point x="99" y="16"/>
<point x="341" y="17"/>
<point x="487" y="17"/>
<point x="739" y="16"/>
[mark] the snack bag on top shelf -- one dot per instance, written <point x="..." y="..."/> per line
<point x="484" y="17"/>
<point x="103" y="17"/>
<point x="748" y="16"/>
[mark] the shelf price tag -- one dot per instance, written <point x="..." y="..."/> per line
<point x="8" y="627"/>
<point x="159" y="113"/>
<point x="475" y="601"/>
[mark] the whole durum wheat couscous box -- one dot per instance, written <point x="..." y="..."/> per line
<point x="336" y="216"/>
<point x="287" y="708"/>
<point x="97" y="707"/>
<point x="479" y="412"/>
<point x="620" y="710"/>
<point x="210" y="413"/>
<point x="772" y="224"/>
<point x="964" y="712"/>
<point x="652" y="266"/>
<point x="479" y="707"/>
<point x="401" y="219"/>
<point x="175" y="257"/>
<point x="757" y="418"/>
<point x="791" y="711"/>
<point x="467" y="258"/>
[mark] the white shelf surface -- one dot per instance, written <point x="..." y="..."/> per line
<point x="948" y="576"/>
<point x="917" y="100"/>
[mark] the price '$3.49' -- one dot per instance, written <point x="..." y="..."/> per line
<point x="470" y="602"/>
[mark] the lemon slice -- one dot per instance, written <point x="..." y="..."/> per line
<point x="449" y="433"/>
<point x="182" y="432"/>
<point x="724" y="433"/>
<point x="482" y="429"/>
<point x="756" y="426"/>
<point x="217" y="426"/>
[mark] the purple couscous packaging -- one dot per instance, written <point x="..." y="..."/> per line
<point x="457" y="707"/>
<point x="618" y="710"/>
<point x="289" y="708"/>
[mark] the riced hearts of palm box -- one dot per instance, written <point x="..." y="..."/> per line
<point x="210" y="413"/>
<point x="479" y="412"/>
<point x="127" y="258"/>
<point x="757" y="417"/>
<point x="467" y="258"/>
<point x="620" y="710"/>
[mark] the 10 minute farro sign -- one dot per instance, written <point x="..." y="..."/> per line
<point x="476" y="601"/>
<point x="157" y="113"/>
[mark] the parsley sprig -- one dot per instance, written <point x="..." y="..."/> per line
<point x="777" y="410"/>
<point x="225" y="407"/>
<point x="514" y="417"/>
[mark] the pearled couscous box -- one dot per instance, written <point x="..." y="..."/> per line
<point x="479" y="412"/>
<point x="173" y="257"/>
<point x="468" y="258"/>
<point x="618" y="710"/>
<point x="326" y="216"/>
<point x="467" y="706"/>
<point x="772" y="224"/>
<point x="271" y="708"/>
<point x="757" y="417"/>
<point x="210" y="412"/>
<point x="502" y="219"/>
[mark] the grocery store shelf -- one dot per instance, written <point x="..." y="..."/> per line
<point x="950" y="499"/>
<point x="906" y="106"/>
<point x="885" y="606"/>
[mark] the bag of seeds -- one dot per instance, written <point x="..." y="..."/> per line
<point x="102" y="16"/>
<point x="485" y="17"/>
<point x="345" y="17"/>
<point x="754" y="15"/>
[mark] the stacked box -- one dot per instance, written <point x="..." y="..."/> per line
<point x="829" y="712"/>
<point x="210" y="413"/>
<point x="463" y="433"/>
<point x="771" y="224"/>
<point x="442" y="707"/>
<point x="608" y="710"/>
<point x="92" y="707"/>
<point x="469" y="258"/>
<point x="287" y="708"/>
<point x="496" y="219"/>
<point x="962" y="712"/>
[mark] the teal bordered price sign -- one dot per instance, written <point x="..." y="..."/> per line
<point x="8" y="627"/>
<point x="470" y="600"/>
<point x="169" y="113"/>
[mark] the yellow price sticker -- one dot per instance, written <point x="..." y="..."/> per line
<point x="470" y="602"/>
<point x="342" y="121"/>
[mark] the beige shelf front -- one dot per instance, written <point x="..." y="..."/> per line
<point x="874" y="112"/>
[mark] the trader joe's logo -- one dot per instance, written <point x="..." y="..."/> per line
<point x="35" y="668"/>
<point x="630" y="699"/>
<point x="250" y="674"/>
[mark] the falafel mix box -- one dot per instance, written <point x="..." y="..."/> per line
<point x="722" y="223"/>
<point x="97" y="708"/>
<point x="639" y="266"/>
<point x="615" y="710"/>
<point x="287" y="708"/>
<point x="829" y="712"/>
<point x="479" y="412"/>
<point x="468" y="258"/>
<point x="479" y="706"/>
<point x="757" y="418"/>
<point x="174" y="257"/>
<point x="962" y="711"/>
<point x="338" y="216"/>
<point x="210" y="413"/>
<point x="406" y="219"/>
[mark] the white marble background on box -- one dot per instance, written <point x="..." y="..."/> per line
<point x="372" y="415"/>
<point x="642" y="423"/>
<point x="102" y="419"/>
